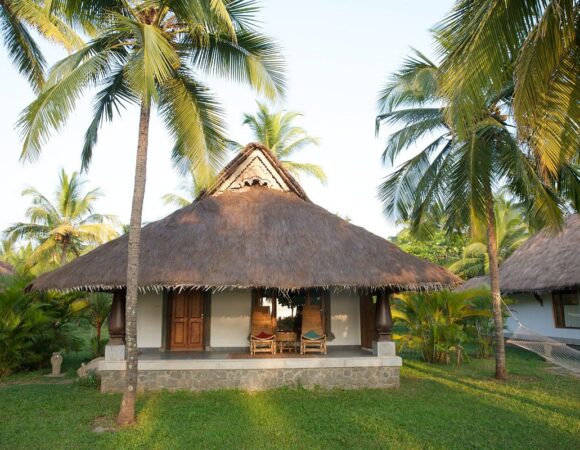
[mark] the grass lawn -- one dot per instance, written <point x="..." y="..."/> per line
<point x="436" y="407"/>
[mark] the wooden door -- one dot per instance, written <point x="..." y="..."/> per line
<point x="367" y="320"/>
<point x="186" y="320"/>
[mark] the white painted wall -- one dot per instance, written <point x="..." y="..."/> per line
<point x="539" y="318"/>
<point x="230" y="318"/>
<point x="149" y="319"/>
<point x="345" y="318"/>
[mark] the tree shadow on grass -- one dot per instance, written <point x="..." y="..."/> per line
<point x="187" y="420"/>
<point x="332" y="418"/>
<point x="528" y="420"/>
<point x="499" y="389"/>
<point x="432" y="415"/>
<point x="433" y="411"/>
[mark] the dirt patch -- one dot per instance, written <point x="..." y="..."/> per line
<point x="103" y="424"/>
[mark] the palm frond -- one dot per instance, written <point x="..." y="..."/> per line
<point x="397" y="192"/>
<point x="67" y="81"/>
<point x="308" y="169"/>
<point x="23" y="230"/>
<point x="110" y="99"/>
<point x="96" y="233"/>
<point x="415" y="84"/>
<point x="305" y="141"/>
<point x="478" y="40"/>
<point x="243" y="13"/>
<point x="153" y="61"/>
<point x="523" y="181"/>
<point x="253" y="59"/>
<point x="24" y="52"/>
<point x="175" y="200"/>
<point x="424" y="123"/>
<point x="50" y="25"/>
<point x="195" y="121"/>
<point x="486" y="43"/>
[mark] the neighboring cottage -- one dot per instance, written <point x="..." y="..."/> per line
<point x="543" y="279"/>
<point x="252" y="241"/>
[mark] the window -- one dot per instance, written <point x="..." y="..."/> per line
<point x="286" y="307"/>
<point x="567" y="309"/>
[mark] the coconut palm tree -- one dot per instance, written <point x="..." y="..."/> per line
<point x="511" y="231"/>
<point x="531" y="44"/>
<point x="277" y="132"/>
<point x="460" y="174"/>
<point x="17" y="17"/>
<point x="65" y="228"/>
<point x="150" y="53"/>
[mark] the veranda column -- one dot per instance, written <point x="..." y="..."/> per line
<point x="383" y="344"/>
<point x="115" y="349"/>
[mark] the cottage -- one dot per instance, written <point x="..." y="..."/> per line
<point x="542" y="277"/>
<point x="253" y="243"/>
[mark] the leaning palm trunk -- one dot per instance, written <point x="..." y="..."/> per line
<point x="127" y="411"/>
<point x="500" y="364"/>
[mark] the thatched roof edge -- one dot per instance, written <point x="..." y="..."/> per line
<point x="482" y="281"/>
<point x="178" y="287"/>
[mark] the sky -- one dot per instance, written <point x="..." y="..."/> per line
<point x="338" y="54"/>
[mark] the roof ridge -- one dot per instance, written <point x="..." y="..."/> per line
<point x="243" y="156"/>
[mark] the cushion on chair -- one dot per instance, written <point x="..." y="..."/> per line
<point x="312" y="335"/>
<point x="264" y="335"/>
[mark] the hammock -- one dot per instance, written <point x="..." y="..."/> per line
<point x="550" y="349"/>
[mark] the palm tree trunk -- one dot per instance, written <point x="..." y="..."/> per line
<point x="127" y="411"/>
<point x="500" y="364"/>
<point x="98" y="327"/>
<point x="63" y="254"/>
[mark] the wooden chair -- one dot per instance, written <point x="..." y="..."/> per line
<point x="312" y="339"/>
<point x="262" y="339"/>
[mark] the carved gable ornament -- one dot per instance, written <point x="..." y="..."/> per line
<point x="255" y="170"/>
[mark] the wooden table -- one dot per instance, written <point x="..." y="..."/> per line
<point x="286" y="340"/>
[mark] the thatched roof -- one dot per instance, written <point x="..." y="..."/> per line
<point x="547" y="261"/>
<point x="254" y="228"/>
<point x="6" y="269"/>
<point x="474" y="283"/>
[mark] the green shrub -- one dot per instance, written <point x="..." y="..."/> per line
<point x="90" y="381"/>
<point x="435" y="323"/>
<point x="33" y="325"/>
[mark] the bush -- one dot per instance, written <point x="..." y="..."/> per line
<point x="436" y="322"/>
<point x="33" y="325"/>
<point x="90" y="381"/>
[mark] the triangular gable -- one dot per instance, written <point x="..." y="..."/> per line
<point x="255" y="166"/>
